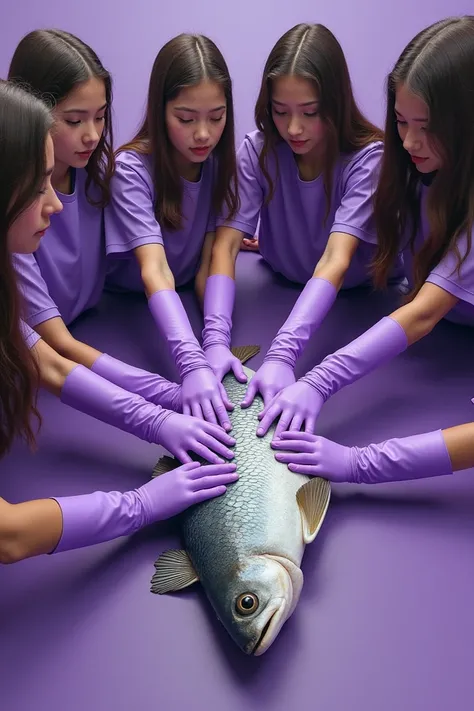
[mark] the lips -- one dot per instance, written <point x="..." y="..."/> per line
<point x="297" y="144"/>
<point x="85" y="154"/>
<point x="201" y="150"/>
<point x="418" y="159"/>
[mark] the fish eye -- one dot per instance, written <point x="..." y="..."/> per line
<point x="246" y="604"/>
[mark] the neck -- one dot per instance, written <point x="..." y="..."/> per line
<point x="310" y="165"/>
<point x="61" y="178"/>
<point x="186" y="169"/>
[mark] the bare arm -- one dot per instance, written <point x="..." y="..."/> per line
<point x="460" y="445"/>
<point x="225" y="251"/>
<point x="420" y="316"/>
<point x="53" y="367"/>
<point x="55" y="333"/>
<point x="203" y="272"/>
<point x="336" y="258"/>
<point x="155" y="272"/>
<point x="28" y="529"/>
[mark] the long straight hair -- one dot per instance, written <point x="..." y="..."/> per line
<point x="53" y="63"/>
<point x="312" y="52"/>
<point x="185" y="61"/>
<point x="437" y="66"/>
<point x="24" y="125"/>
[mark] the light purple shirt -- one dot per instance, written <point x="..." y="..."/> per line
<point x="30" y="337"/>
<point x="66" y="274"/>
<point x="445" y="274"/>
<point x="292" y="233"/>
<point x="130" y="222"/>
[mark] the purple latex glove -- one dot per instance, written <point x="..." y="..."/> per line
<point x="219" y="299"/>
<point x="94" y="518"/>
<point x="414" y="457"/>
<point x="294" y="405"/>
<point x="150" y="386"/>
<point x="88" y="392"/>
<point x="202" y="394"/>
<point x="277" y="370"/>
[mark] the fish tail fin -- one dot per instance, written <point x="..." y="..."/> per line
<point x="244" y="353"/>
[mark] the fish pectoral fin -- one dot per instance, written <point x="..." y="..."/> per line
<point x="163" y="465"/>
<point x="313" y="501"/>
<point x="244" y="353"/>
<point x="174" y="571"/>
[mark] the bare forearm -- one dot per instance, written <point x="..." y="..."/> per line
<point x="336" y="258"/>
<point x="225" y="251"/>
<point x="29" y="529"/>
<point x="460" y="445"/>
<point x="155" y="272"/>
<point x="55" y="333"/>
<point x="53" y="367"/>
<point x="420" y="316"/>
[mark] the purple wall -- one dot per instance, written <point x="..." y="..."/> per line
<point x="127" y="36"/>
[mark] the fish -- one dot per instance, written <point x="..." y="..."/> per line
<point x="246" y="546"/>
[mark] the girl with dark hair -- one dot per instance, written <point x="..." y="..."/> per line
<point x="27" y="203"/>
<point x="171" y="180"/>
<point x="309" y="173"/>
<point x="66" y="274"/>
<point x="424" y="206"/>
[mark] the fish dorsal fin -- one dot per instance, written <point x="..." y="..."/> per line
<point x="313" y="501"/>
<point x="174" y="571"/>
<point x="163" y="465"/>
<point x="244" y="353"/>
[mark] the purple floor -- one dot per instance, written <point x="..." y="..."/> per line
<point x="386" y="617"/>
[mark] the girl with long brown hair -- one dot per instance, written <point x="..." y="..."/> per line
<point x="27" y="203"/>
<point x="309" y="173"/>
<point x="171" y="180"/>
<point x="424" y="207"/>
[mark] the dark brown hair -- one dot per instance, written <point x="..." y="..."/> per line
<point x="24" y="124"/>
<point x="437" y="66"/>
<point x="185" y="61"/>
<point x="53" y="63"/>
<point x="313" y="53"/>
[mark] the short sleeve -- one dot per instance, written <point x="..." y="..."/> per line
<point x="129" y="217"/>
<point x="457" y="281"/>
<point x="250" y="187"/>
<point x="30" y="337"/>
<point x="38" y="304"/>
<point x="354" y="215"/>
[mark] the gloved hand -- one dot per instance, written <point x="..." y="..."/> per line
<point x="201" y="393"/>
<point x="150" y="386"/>
<point x="219" y="299"/>
<point x="379" y="344"/>
<point x="88" y="392"/>
<point x="94" y="518"/>
<point x="403" y="459"/>
<point x="277" y="370"/>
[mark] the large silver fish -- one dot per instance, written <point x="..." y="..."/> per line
<point x="246" y="547"/>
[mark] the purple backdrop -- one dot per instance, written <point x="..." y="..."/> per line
<point x="128" y="35"/>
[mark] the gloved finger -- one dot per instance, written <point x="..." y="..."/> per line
<point x="220" y="434"/>
<point x="289" y="458"/>
<point x="208" y="412"/>
<point x="271" y="414"/>
<point x="238" y="371"/>
<point x="221" y="413"/>
<point x="298" y="436"/>
<point x="181" y="455"/>
<point x="206" y="494"/>
<point x="250" y="394"/>
<point x="311" y="470"/>
<point x="284" y="422"/>
<point x="292" y="445"/>
<point x="225" y="398"/>
<point x="205" y="453"/>
<point x="190" y="466"/>
<point x="216" y="446"/>
<point x="214" y="469"/>
<point x="186" y="408"/>
<point x="310" y="424"/>
<point x="196" y="410"/>
<point x="208" y="482"/>
<point x="296" y="423"/>
<point x="269" y="393"/>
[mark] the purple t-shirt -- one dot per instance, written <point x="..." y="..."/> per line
<point x="66" y="274"/>
<point x="445" y="274"/>
<point x="130" y="222"/>
<point x="30" y="337"/>
<point x="292" y="233"/>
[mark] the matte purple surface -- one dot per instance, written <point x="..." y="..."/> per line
<point x="386" y="619"/>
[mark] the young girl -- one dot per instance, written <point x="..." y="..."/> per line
<point x="27" y="202"/>
<point x="66" y="274"/>
<point x="424" y="205"/>
<point x="171" y="179"/>
<point x="309" y="173"/>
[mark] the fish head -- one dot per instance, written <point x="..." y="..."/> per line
<point x="261" y="596"/>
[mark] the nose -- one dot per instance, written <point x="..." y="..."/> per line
<point x="294" y="127"/>
<point x="412" y="141"/>
<point x="91" y="135"/>
<point x="202" y="132"/>
<point x="53" y="205"/>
